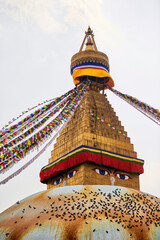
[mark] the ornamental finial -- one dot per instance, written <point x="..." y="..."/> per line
<point x="89" y="63"/>
<point x="89" y="36"/>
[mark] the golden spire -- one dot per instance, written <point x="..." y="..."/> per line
<point x="89" y="62"/>
<point x="89" y="36"/>
<point x="89" y="44"/>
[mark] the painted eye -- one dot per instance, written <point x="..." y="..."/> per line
<point x="71" y="174"/>
<point x="59" y="180"/>
<point x="101" y="171"/>
<point x="122" y="176"/>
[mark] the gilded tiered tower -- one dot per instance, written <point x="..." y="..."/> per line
<point x="92" y="175"/>
<point x="94" y="142"/>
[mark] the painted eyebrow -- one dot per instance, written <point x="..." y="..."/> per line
<point x="120" y="172"/>
<point x="71" y="171"/>
<point x="60" y="176"/>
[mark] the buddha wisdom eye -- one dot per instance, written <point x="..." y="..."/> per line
<point x="59" y="180"/>
<point x="122" y="176"/>
<point x="101" y="171"/>
<point x="71" y="174"/>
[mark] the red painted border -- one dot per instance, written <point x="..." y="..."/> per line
<point x="92" y="157"/>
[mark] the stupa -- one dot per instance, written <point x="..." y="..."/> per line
<point x="93" y="173"/>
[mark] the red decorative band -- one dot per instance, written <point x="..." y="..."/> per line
<point x="89" y="154"/>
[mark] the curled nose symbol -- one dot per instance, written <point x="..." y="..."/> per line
<point x="112" y="179"/>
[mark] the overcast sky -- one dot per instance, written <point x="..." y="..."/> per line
<point x="37" y="41"/>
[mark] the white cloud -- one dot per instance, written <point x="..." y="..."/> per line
<point x="90" y="12"/>
<point x="57" y="16"/>
<point x="39" y="11"/>
<point x="82" y="11"/>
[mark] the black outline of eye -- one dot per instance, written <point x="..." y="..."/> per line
<point x="107" y="172"/>
<point x="128" y="177"/>
<point x="57" y="180"/>
<point x="74" y="173"/>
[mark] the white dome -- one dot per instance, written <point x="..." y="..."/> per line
<point x="83" y="212"/>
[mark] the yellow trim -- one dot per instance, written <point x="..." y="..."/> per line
<point x="76" y="81"/>
<point x="132" y="159"/>
<point x="91" y="72"/>
<point x="114" y="155"/>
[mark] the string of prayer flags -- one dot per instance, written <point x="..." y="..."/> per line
<point x="98" y="118"/>
<point x="34" y="158"/>
<point x="10" y="154"/>
<point x="32" y="127"/>
<point x="152" y="113"/>
<point x="34" y="114"/>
